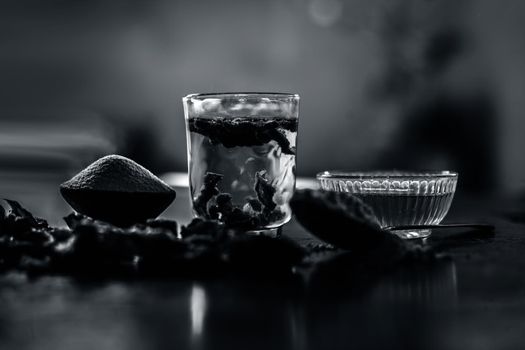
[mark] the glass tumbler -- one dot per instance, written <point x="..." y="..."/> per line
<point x="241" y="157"/>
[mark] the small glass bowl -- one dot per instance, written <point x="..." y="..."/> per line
<point x="398" y="198"/>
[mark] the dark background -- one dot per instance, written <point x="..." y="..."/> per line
<point x="407" y="84"/>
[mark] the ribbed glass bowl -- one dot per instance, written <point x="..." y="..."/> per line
<point x="398" y="198"/>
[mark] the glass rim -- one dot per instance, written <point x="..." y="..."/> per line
<point x="393" y="174"/>
<point x="218" y="95"/>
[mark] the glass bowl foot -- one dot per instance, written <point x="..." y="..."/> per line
<point x="412" y="234"/>
<point x="272" y="232"/>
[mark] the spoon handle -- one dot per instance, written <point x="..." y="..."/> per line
<point x="487" y="227"/>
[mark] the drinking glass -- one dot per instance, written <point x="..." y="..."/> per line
<point x="241" y="157"/>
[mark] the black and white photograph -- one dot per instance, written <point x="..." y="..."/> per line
<point x="262" y="174"/>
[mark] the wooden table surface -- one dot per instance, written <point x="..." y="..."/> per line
<point x="475" y="300"/>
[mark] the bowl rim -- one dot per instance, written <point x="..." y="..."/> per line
<point x="385" y="174"/>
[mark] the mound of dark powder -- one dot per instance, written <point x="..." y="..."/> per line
<point x="117" y="190"/>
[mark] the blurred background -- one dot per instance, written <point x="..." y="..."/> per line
<point x="406" y="84"/>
